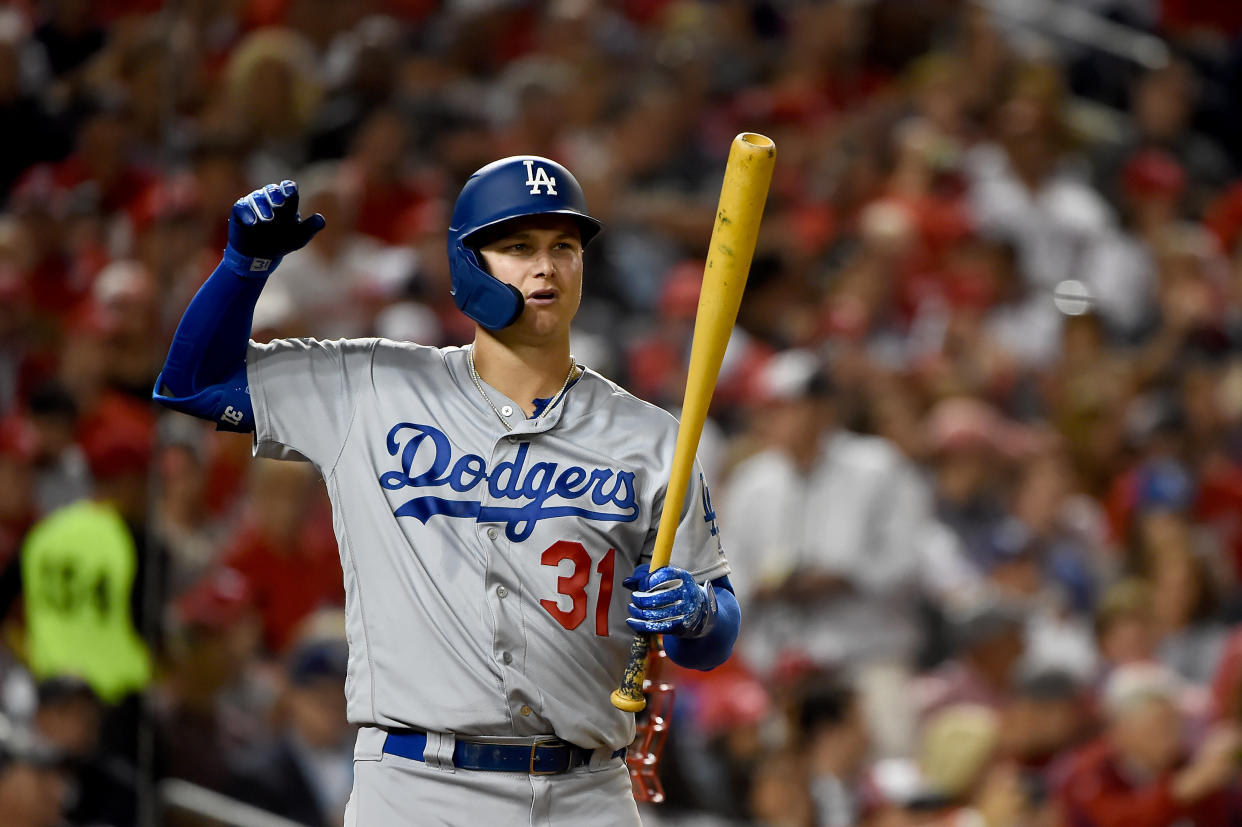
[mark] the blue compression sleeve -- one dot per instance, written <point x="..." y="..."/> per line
<point x="714" y="648"/>
<point x="205" y="373"/>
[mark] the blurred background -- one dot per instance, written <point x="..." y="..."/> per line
<point x="976" y="451"/>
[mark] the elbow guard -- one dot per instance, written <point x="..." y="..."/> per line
<point x="225" y="403"/>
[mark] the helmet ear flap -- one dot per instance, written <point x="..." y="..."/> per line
<point x="483" y="297"/>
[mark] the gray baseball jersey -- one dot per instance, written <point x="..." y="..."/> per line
<point x="482" y="566"/>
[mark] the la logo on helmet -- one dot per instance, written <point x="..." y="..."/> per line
<point x="536" y="178"/>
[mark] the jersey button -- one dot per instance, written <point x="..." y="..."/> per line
<point x="525" y="710"/>
<point x="502" y="592"/>
<point x="507" y="658"/>
<point x="492" y="534"/>
<point x="507" y="410"/>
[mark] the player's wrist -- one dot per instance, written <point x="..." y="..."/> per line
<point x="249" y="267"/>
<point x="265" y="226"/>
<point x="705" y="621"/>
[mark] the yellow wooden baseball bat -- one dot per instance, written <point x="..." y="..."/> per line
<point x="747" y="176"/>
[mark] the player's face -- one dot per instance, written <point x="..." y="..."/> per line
<point x="540" y="255"/>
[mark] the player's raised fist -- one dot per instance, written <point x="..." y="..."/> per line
<point x="266" y="225"/>
<point x="669" y="602"/>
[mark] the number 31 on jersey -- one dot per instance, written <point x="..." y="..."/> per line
<point x="575" y="584"/>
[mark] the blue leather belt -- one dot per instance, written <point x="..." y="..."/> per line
<point x="547" y="757"/>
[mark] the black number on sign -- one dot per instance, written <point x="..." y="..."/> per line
<point x="100" y="593"/>
<point x="64" y="591"/>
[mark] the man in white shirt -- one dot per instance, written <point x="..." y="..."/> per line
<point x="829" y="525"/>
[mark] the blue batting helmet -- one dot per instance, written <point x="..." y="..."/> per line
<point x="509" y="188"/>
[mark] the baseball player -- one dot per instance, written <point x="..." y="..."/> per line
<point x="487" y="502"/>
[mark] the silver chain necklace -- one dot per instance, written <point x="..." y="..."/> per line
<point x="474" y="375"/>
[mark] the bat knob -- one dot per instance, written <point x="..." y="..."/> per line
<point x="628" y="703"/>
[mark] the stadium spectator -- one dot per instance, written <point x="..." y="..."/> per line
<point x="182" y="522"/>
<point x="1124" y="627"/>
<point x="989" y="639"/>
<point x="70" y="719"/>
<point x="34" y="790"/>
<point x="83" y="577"/>
<point x="63" y="475"/>
<point x="1049" y="714"/>
<point x="830" y="568"/>
<point x="965" y="441"/>
<point x="307" y="773"/>
<point x="1021" y="189"/>
<point x="1162" y="104"/>
<point x="1137" y="773"/>
<point x="837" y="743"/>
<point x="779" y="794"/>
<point x="204" y="710"/>
<point x="284" y="550"/>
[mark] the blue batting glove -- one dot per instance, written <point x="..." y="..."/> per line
<point x="669" y="602"/>
<point x="265" y="226"/>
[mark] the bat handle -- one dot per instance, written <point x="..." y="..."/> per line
<point x="629" y="696"/>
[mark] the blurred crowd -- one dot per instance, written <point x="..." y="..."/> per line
<point x="976" y="451"/>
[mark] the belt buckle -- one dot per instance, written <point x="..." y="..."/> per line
<point x="547" y="742"/>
